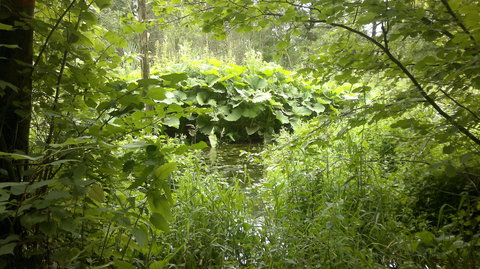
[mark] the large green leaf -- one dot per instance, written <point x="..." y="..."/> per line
<point x="235" y="115"/>
<point x="157" y="93"/>
<point x="281" y="117"/>
<point x="7" y="248"/>
<point x="172" y="121"/>
<point x="251" y="111"/>
<point x="103" y="3"/>
<point x="174" y="78"/>
<point x="302" y="111"/>
<point x="165" y="170"/>
<point x="252" y="129"/>
<point x="95" y="191"/>
<point x="202" y="97"/>
<point x="141" y="236"/>
<point x="159" y="222"/>
<point x="257" y="83"/>
<point x="261" y="97"/>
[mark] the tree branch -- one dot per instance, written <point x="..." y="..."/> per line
<point x="412" y="78"/>
<point x="44" y="46"/>
<point x="457" y="20"/>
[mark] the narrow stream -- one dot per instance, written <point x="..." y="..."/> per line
<point x="240" y="163"/>
<point x="237" y="161"/>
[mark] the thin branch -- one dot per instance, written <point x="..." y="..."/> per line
<point x="412" y="78"/>
<point x="44" y="46"/>
<point x="460" y="105"/>
<point x="458" y="21"/>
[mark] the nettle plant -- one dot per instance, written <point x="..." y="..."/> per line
<point x="240" y="103"/>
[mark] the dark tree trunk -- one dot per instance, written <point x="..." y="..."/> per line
<point x="16" y="79"/>
<point x="15" y="103"/>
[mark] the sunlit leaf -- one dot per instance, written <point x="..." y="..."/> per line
<point x="235" y="115"/>
<point x="165" y="170"/>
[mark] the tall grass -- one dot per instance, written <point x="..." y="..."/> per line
<point x="337" y="204"/>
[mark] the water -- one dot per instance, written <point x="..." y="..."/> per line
<point x="238" y="162"/>
<point x="241" y="163"/>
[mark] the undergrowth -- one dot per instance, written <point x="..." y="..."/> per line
<point x="322" y="207"/>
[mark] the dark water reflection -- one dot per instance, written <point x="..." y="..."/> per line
<point x="237" y="161"/>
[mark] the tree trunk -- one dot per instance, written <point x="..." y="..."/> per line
<point x="16" y="84"/>
<point x="143" y="40"/>
<point x="16" y="51"/>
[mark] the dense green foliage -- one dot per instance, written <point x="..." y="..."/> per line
<point x="372" y="144"/>
<point x="241" y="103"/>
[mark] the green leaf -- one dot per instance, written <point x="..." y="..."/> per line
<point x="7" y="249"/>
<point x="199" y="145"/>
<point x="425" y="237"/>
<point x="59" y="162"/>
<point x="160" y="204"/>
<point x="319" y="108"/>
<point x="28" y="220"/>
<point x="257" y="82"/>
<point x="202" y="97"/>
<point x="252" y="129"/>
<point x="136" y="144"/>
<point x="281" y="117"/>
<point x="140" y="236"/>
<point x="367" y="18"/>
<point x="123" y="265"/>
<point x="404" y="124"/>
<point x="159" y="222"/>
<point x="5" y="84"/>
<point x="282" y="44"/>
<point x="33" y="187"/>
<point x="157" y="93"/>
<point x="19" y="189"/>
<point x="157" y="265"/>
<point x="6" y="27"/>
<point x="165" y="170"/>
<point x="128" y="166"/>
<point x="235" y="115"/>
<point x="465" y="158"/>
<point x="172" y="122"/>
<point x="148" y="82"/>
<point x="302" y="111"/>
<point x="73" y="141"/>
<point x="212" y="138"/>
<point x="90" y="103"/>
<point x="251" y="111"/>
<point x="4" y="196"/>
<point x="448" y="149"/>
<point x="95" y="191"/>
<point x="174" y="78"/>
<point x="56" y="194"/>
<point x="9" y="47"/>
<point x="67" y="225"/>
<point x="17" y="156"/>
<point x="48" y="228"/>
<point x="261" y="97"/>
<point x="103" y="3"/>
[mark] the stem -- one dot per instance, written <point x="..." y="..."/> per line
<point x="105" y="240"/>
<point x="134" y="226"/>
